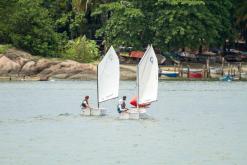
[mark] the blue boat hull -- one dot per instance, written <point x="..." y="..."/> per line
<point x="170" y="74"/>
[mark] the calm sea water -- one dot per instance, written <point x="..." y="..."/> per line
<point x="198" y="123"/>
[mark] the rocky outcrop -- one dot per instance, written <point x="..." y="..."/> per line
<point x="8" y="66"/>
<point x="25" y="65"/>
<point x="44" y="63"/>
<point x="128" y="72"/>
<point x="69" y="70"/>
<point x="21" y="61"/>
<point x="28" y="68"/>
<point x="14" y="54"/>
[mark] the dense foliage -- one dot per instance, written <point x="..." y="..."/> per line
<point x="169" y="24"/>
<point x="82" y="50"/>
<point x="241" y="18"/>
<point x="52" y="28"/>
<point x="32" y="29"/>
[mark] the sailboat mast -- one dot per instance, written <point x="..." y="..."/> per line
<point x="98" y="86"/>
<point x="137" y="86"/>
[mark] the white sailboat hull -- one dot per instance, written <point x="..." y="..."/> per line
<point x="124" y="116"/>
<point x="94" y="112"/>
<point x="132" y="114"/>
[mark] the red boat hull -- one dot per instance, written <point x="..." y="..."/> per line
<point x="195" y="75"/>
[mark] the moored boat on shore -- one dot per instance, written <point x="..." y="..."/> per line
<point x="169" y="74"/>
<point x="227" y="78"/>
<point x="195" y="75"/>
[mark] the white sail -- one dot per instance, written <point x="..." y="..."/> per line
<point x="108" y="76"/>
<point x="147" y="77"/>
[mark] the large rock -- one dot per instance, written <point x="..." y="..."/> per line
<point x="8" y="66"/>
<point x="83" y="76"/>
<point x="69" y="68"/>
<point x="29" y="68"/>
<point x="18" y="61"/>
<point x="43" y="64"/>
<point x="21" y="61"/>
<point x="13" y="54"/>
<point x="52" y="70"/>
<point x="60" y="76"/>
<point x="127" y="72"/>
<point x="69" y="63"/>
<point x="73" y="65"/>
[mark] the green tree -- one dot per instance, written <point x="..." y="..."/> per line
<point x="67" y="17"/>
<point x="222" y="13"/>
<point x="91" y="23"/>
<point x="82" y="50"/>
<point x="125" y="25"/>
<point x="168" y="24"/>
<point x="7" y="7"/>
<point x="33" y="30"/>
<point x="240" y="12"/>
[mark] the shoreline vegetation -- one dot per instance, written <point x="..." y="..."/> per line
<point x="66" y="39"/>
<point x="18" y="65"/>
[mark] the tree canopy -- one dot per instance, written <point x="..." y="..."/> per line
<point x="45" y="27"/>
<point x="168" y="24"/>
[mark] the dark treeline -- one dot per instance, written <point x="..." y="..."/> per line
<point x="69" y="28"/>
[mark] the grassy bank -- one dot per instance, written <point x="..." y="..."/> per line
<point x="4" y="48"/>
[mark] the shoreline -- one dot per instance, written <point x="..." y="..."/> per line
<point x="18" y="65"/>
<point x="35" y="78"/>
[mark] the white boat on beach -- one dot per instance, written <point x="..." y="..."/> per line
<point x="108" y="75"/>
<point x="244" y="75"/>
<point x="185" y="70"/>
<point x="147" y="84"/>
<point x="215" y="70"/>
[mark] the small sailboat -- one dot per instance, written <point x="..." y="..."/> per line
<point x="108" y="75"/>
<point x="147" y="84"/>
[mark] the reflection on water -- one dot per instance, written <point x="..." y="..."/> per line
<point x="192" y="123"/>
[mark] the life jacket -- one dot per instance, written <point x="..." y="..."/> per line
<point x="83" y="104"/>
<point x="118" y="109"/>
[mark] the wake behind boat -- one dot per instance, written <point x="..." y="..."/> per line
<point x="108" y="76"/>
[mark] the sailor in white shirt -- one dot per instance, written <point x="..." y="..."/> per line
<point x="122" y="105"/>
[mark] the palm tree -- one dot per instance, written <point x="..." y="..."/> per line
<point x="80" y="5"/>
<point x="84" y="5"/>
